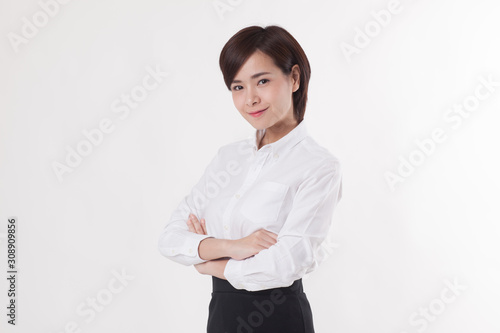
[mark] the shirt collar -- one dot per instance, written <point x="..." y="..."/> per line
<point x="297" y="134"/>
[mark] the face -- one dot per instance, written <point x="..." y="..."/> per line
<point x="260" y="85"/>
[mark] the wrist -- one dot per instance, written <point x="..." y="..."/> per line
<point x="229" y="247"/>
<point x="212" y="248"/>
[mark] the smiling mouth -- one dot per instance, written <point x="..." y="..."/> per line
<point x="258" y="113"/>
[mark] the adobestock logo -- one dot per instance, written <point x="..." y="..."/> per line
<point x="263" y="310"/>
<point x="217" y="182"/>
<point x="221" y="179"/>
<point x="30" y="28"/>
<point x="372" y="29"/>
<point x="427" y="146"/>
<point x="89" y="309"/>
<point x="421" y="319"/>
<point x="95" y="136"/>
<point x="323" y="252"/>
<point x="223" y="6"/>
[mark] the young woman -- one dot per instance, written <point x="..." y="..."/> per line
<point x="258" y="215"/>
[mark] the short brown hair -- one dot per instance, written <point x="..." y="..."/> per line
<point x="278" y="44"/>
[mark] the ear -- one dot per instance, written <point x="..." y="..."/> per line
<point x="295" y="75"/>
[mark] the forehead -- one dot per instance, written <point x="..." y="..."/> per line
<point x="257" y="62"/>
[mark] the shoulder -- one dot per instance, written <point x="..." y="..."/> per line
<point x="319" y="158"/>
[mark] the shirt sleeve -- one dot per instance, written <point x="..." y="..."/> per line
<point x="305" y="228"/>
<point x="176" y="242"/>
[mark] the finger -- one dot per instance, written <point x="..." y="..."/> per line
<point x="271" y="235"/>
<point x="267" y="232"/>
<point x="264" y="239"/>
<point x="190" y="225"/>
<point x="196" y="224"/>
<point x="269" y="240"/>
<point x="204" y="226"/>
<point x="267" y="244"/>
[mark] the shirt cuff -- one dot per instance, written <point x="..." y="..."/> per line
<point x="232" y="273"/>
<point x="193" y="245"/>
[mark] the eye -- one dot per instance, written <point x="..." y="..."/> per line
<point x="236" y="88"/>
<point x="265" y="81"/>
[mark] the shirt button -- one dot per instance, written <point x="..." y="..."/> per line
<point x="173" y="251"/>
<point x="237" y="196"/>
<point x="276" y="156"/>
<point x="190" y="250"/>
<point x="226" y="227"/>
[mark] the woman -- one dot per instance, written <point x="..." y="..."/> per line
<point x="256" y="218"/>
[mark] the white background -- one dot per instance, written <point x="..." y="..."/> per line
<point x="392" y="249"/>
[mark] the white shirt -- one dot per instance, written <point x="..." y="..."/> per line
<point x="290" y="187"/>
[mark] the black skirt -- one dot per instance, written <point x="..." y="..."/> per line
<point x="273" y="310"/>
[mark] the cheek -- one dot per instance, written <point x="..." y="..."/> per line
<point x="271" y="95"/>
<point x="237" y="101"/>
<point x="281" y="96"/>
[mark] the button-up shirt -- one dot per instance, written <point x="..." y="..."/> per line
<point x="290" y="187"/>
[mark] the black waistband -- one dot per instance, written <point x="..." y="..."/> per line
<point x="220" y="285"/>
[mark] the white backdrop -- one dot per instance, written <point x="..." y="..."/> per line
<point x="110" y="111"/>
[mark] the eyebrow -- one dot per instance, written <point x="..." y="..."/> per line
<point x="252" y="77"/>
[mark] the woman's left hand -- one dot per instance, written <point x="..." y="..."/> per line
<point x="213" y="267"/>
<point x="202" y="267"/>
<point x="210" y="267"/>
<point x="196" y="226"/>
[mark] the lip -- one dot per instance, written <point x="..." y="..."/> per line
<point x="259" y="113"/>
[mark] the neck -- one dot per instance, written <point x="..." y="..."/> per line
<point x="276" y="132"/>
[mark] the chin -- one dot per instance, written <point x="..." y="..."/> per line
<point x="258" y="125"/>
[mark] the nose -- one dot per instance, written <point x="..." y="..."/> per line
<point x="252" y="97"/>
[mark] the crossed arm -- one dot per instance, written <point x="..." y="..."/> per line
<point x="219" y="251"/>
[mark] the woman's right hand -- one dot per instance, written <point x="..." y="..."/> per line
<point x="252" y="244"/>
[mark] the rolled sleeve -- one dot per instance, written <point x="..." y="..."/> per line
<point x="176" y="242"/>
<point x="305" y="228"/>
